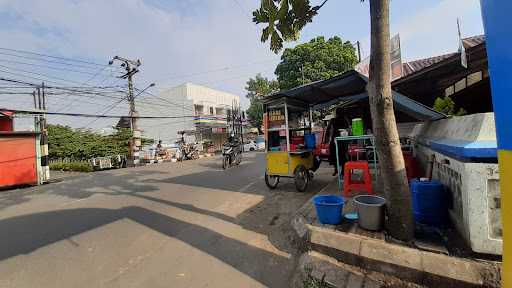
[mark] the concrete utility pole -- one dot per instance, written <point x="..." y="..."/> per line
<point x="45" y="161"/>
<point x="134" y="145"/>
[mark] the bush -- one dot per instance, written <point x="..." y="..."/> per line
<point x="72" y="166"/>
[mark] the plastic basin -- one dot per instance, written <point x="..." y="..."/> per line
<point x="371" y="211"/>
<point x="329" y="208"/>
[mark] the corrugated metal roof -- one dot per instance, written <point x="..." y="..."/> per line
<point x="349" y="86"/>
<point x="412" y="67"/>
<point x="473" y="41"/>
<point x="417" y="65"/>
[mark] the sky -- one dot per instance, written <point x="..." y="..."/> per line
<point x="208" y="42"/>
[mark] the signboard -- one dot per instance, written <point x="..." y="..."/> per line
<point x="363" y="67"/>
<point x="276" y="118"/>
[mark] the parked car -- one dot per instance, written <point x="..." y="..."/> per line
<point x="250" y="146"/>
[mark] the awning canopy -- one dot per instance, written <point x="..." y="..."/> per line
<point x="350" y="87"/>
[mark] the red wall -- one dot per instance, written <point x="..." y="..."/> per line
<point x="6" y="124"/>
<point x="17" y="160"/>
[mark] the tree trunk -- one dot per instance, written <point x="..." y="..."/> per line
<point x="400" y="222"/>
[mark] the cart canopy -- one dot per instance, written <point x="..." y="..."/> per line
<point x="350" y="87"/>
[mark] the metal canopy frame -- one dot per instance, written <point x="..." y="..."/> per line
<point x="349" y="86"/>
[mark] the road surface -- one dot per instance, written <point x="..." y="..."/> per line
<point x="187" y="224"/>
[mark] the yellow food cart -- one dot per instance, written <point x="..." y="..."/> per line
<point x="287" y="127"/>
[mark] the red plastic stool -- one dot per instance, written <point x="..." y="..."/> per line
<point x="350" y="185"/>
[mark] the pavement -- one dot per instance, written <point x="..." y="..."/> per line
<point x="187" y="224"/>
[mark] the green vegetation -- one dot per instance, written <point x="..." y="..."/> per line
<point x="315" y="60"/>
<point x="67" y="143"/>
<point x="305" y="63"/>
<point x="315" y="283"/>
<point x="285" y="19"/>
<point x="447" y="106"/>
<point x="81" y="166"/>
<point x="258" y="88"/>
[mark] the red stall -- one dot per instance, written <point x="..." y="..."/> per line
<point x="6" y="122"/>
<point x="18" y="154"/>
<point x="18" y="158"/>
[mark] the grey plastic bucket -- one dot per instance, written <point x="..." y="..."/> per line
<point x="371" y="211"/>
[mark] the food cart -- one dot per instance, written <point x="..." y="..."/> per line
<point x="290" y="143"/>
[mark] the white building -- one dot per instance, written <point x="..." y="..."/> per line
<point x="201" y="112"/>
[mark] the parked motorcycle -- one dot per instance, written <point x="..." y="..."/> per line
<point x="188" y="151"/>
<point x="231" y="154"/>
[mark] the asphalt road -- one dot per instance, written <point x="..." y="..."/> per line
<point x="187" y="224"/>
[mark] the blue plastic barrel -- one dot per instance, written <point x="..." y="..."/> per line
<point x="310" y="141"/>
<point x="429" y="202"/>
<point x="329" y="208"/>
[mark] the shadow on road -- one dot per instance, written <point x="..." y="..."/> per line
<point x="49" y="227"/>
<point x="270" y="217"/>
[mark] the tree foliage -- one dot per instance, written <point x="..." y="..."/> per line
<point x="257" y="88"/>
<point x="315" y="60"/>
<point x="447" y="106"/>
<point x="285" y="19"/>
<point x="66" y="142"/>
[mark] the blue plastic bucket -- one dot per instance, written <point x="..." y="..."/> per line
<point x="329" y="208"/>
<point x="429" y="202"/>
<point x="310" y="141"/>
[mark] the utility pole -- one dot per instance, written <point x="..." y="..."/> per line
<point x="358" y="52"/>
<point x="134" y="145"/>
<point x="41" y="127"/>
<point x="45" y="163"/>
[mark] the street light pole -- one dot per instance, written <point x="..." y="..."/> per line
<point x="134" y="144"/>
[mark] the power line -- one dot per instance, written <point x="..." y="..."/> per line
<point x="226" y="68"/>
<point x="51" y="67"/>
<point x="32" y="112"/>
<point x="42" y="75"/>
<point x="48" y="61"/>
<point x="51" y="56"/>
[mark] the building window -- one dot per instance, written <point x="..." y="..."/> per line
<point x="211" y="110"/>
<point x="198" y="109"/>
<point x="449" y="91"/>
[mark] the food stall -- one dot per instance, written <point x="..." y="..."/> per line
<point x="347" y="90"/>
<point x="290" y="143"/>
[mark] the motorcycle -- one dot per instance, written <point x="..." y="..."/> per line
<point x="188" y="151"/>
<point x="231" y="154"/>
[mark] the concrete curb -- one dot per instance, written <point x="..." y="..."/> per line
<point x="421" y="267"/>
<point x="333" y="273"/>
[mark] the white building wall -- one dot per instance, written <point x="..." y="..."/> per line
<point x="179" y="101"/>
<point x="208" y="97"/>
<point x="176" y="104"/>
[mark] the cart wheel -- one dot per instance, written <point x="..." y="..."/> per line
<point x="301" y="178"/>
<point x="225" y="162"/>
<point x="271" y="181"/>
